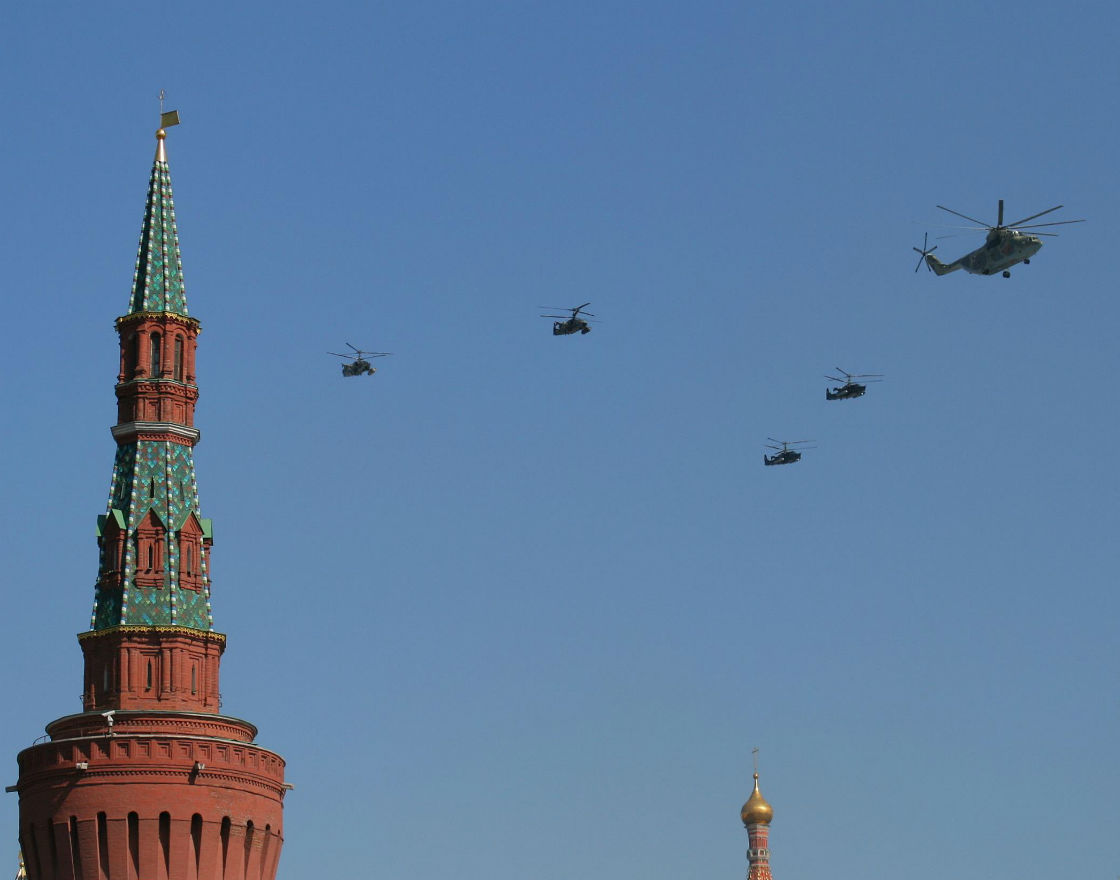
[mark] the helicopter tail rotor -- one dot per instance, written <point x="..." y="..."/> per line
<point x="924" y="251"/>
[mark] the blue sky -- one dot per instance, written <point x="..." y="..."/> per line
<point x="522" y="605"/>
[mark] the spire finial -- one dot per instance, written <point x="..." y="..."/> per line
<point x="166" y="120"/>
<point x="756" y="811"/>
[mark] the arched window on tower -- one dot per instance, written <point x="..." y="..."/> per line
<point x="164" y="864"/>
<point x="103" y="843"/>
<point x="133" y="844"/>
<point x="155" y="359"/>
<point x="178" y="358"/>
<point x="196" y="846"/>
<point x="133" y="355"/>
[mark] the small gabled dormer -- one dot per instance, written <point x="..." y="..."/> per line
<point x="193" y="541"/>
<point x="151" y="551"/>
<point x="112" y="532"/>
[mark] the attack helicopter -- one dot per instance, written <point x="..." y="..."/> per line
<point x="358" y="365"/>
<point x="1005" y="245"/>
<point x="850" y="390"/>
<point x="784" y="455"/>
<point x="571" y="324"/>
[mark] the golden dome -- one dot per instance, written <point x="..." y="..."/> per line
<point x="756" y="811"/>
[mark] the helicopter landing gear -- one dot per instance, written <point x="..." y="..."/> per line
<point x="1006" y="274"/>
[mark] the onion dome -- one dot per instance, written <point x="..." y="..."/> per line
<point x="756" y="811"/>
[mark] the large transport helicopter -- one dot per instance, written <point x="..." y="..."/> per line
<point x="569" y="324"/>
<point x="850" y="390"/>
<point x="783" y="453"/>
<point x="358" y="365"/>
<point x="1005" y="245"/>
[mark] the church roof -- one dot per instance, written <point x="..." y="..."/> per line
<point x="157" y="285"/>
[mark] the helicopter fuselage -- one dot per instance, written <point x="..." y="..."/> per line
<point x="358" y="367"/>
<point x="845" y="392"/>
<point x="572" y="325"/>
<point x="1003" y="249"/>
<point x="786" y="456"/>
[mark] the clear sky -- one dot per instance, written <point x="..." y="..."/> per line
<point x="520" y="606"/>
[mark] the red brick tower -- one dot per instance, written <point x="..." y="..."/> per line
<point x="756" y="815"/>
<point x="149" y="781"/>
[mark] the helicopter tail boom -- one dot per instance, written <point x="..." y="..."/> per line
<point x="941" y="268"/>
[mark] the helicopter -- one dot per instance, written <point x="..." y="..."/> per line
<point x="850" y="390"/>
<point x="572" y="324"/>
<point x="358" y="365"/>
<point x="784" y="455"/>
<point x="1005" y="246"/>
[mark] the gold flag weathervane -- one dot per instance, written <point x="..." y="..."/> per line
<point x="168" y="119"/>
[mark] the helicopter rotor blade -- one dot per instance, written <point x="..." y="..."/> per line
<point x="999" y="222"/>
<point x="1054" y="223"/>
<point x="835" y="379"/>
<point x="1032" y="216"/>
<point x="966" y="217"/>
<point x="337" y="355"/>
<point x="358" y="350"/>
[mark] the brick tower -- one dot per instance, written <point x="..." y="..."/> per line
<point x="756" y="815"/>
<point x="149" y="781"/>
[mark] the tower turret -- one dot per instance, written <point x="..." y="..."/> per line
<point x="153" y="585"/>
<point x="149" y="780"/>
<point x="756" y="815"/>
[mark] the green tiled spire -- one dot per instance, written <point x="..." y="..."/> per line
<point x="157" y="285"/>
<point x="153" y="477"/>
<point x="154" y="566"/>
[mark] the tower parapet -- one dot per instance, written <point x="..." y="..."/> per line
<point x="150" y="780"/>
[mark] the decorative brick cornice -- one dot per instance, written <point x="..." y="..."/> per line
<point x="170" y="317"/>
<point x="148" y="385"/>
<point x="134" y="629"/>
<point x="169" y="431"/>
